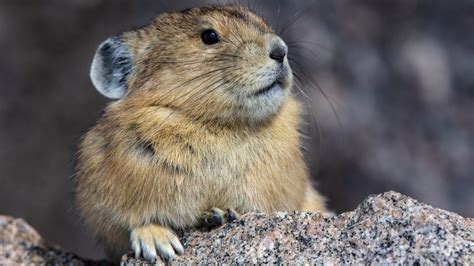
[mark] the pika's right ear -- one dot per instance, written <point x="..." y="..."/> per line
<point x="111" y="67"/>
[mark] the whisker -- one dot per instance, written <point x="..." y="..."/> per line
<point x="301" y="91"/>
<point x="290" y="22"/>
<point x="200" y="76"/>
<point x="278" y="14"/>
<point x="300" y="49"/>
<point x="187" y="63"/>
<point x="311" y="79"/>
<point x="207" y="90"/>
<point x="310" y="43"/>
<point x="313" y="118"/>
<point x="315" y="83"/>
<point x="192" y="93"/>
<point x="230" y="55"/>
<point x="211" y="88"/>
<point x="158" y="101"/>
<point x="230" y="42"/>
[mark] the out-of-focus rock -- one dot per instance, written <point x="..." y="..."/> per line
<point x="388" y="228"/>
<point x="21" y="244"/>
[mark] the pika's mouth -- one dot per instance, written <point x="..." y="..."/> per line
<point x="265" y="90"/>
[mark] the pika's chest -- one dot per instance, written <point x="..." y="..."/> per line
<point x="219" y="160"/>
<point x="211" y="160"/>
<point x="240" y="174"/>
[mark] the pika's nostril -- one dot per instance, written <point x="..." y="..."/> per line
<point x="278" y="53"/>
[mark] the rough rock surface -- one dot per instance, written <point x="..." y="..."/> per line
<point x="387" y="228"/>
<point x="21" y="244"/>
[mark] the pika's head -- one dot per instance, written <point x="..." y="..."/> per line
<point x="213" y="63"/>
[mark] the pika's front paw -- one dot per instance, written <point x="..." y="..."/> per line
<point x="152" y="241"/>
<point x="217" y="217"/>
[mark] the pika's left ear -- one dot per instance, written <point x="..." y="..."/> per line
<point x="111" y="67"/>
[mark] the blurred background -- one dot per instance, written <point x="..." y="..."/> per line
<point x="394" y="109"/>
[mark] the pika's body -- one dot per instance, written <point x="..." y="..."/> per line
<point x="204" y="119"/>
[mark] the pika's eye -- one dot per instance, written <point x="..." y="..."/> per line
<point x="210" y="37"/>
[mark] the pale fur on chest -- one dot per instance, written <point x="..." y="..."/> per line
<point x="171" y="174"/>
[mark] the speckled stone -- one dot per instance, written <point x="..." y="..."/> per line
<point x="387" y="228"/>
<point x="21" y="244"/>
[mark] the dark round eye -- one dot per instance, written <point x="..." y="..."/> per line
<point x="210" y="37"/>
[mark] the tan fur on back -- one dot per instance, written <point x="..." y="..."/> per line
<point x="167" y="152"/>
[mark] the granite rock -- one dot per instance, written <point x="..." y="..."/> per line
<point x="387" y="228"/>
<point x="21" y="244"/>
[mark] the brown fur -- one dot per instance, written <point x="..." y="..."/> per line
<point x="177" y="146"/>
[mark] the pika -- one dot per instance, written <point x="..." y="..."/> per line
<point x="203" y="124"/>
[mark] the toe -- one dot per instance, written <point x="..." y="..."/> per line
<point x="218" y="216"/>
<point x="149" y="251"/>
<point x="136" y="247"/>
<point x="206" y="220"/>
<point x="176" y="244"/>
<point x="232" y="215"/>
<point x="165" y="251"/>
<point x="153" y="240"/>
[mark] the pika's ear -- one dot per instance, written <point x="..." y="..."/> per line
<point x="111" y="67"/>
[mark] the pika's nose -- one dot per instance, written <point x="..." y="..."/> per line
<point x="278" y="53"/>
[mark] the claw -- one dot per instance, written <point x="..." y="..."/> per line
<point x="152" y="241"/>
